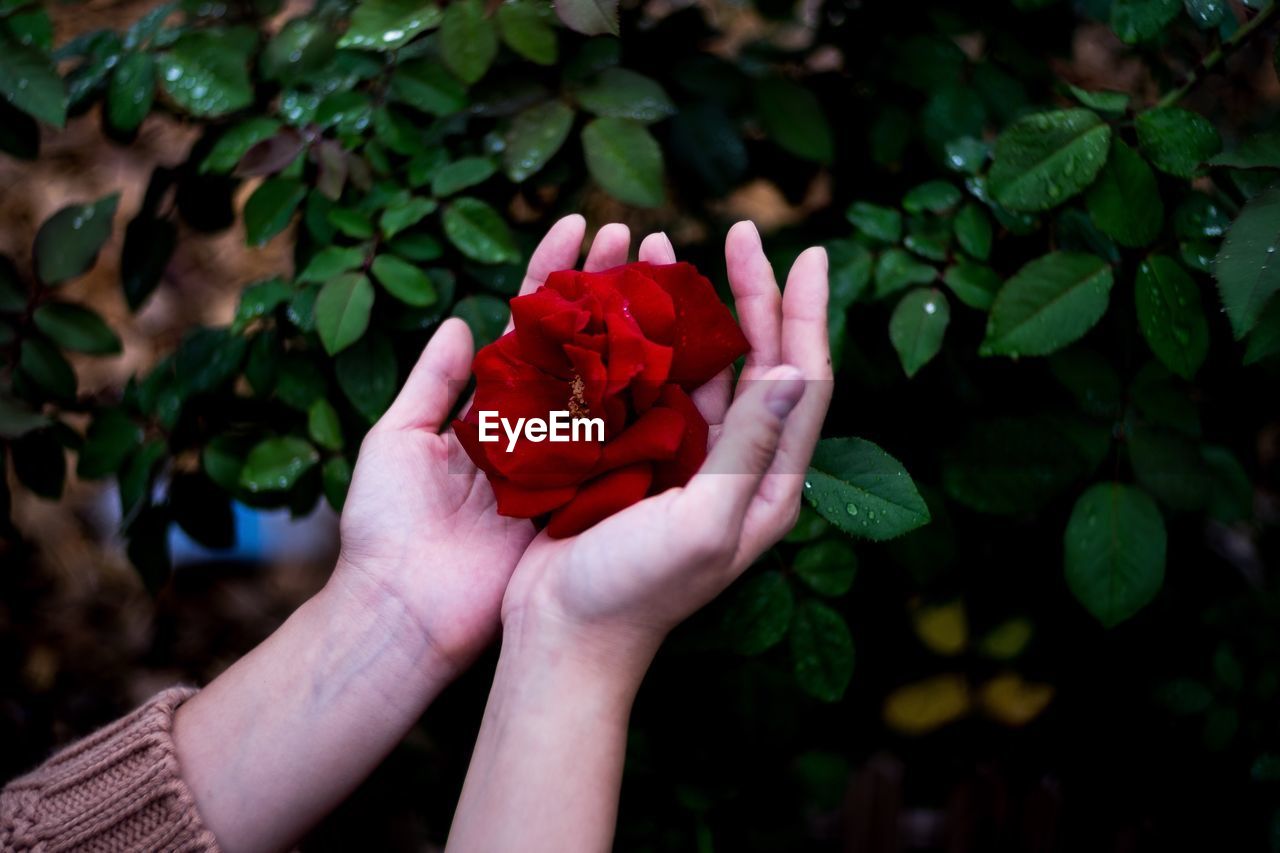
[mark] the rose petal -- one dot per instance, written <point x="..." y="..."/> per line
<point x="523" y="502"/>
<point x="693" y="443"/>
<point x="706" y="337"/>
<point x="655" y="437"/>
<point x="599" y="499"/>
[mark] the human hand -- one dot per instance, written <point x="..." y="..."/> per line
<point x="615" y="590"/>
<point x="420" y="535"/>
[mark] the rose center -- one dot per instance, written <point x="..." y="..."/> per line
<point x="578" y="407"/>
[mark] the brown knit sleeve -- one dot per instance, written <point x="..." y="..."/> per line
<point x="119" y="789"/>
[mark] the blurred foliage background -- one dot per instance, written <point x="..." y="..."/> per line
<point x="229" y="227"/>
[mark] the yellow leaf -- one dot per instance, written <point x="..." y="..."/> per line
<point x="919" y="708"/>
<point x="943" y="628"/>
<point x="1007" y="640"/>
<point x="1010" y="700"/>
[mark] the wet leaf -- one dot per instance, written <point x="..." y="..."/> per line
<point x="1041" y="160"/>
<point x="821" y="651"/>
<point x="917" y="327"/>
<point x="1049" y="303"/>
<point x="479" y="232"/>
<point x="204" y="76"/>
<point x="1114" y="551"/>
<point x="863" y="490"/>
<point x="534" y="137"/>
<point x="342" y="311"/>
<point x="67" y="243"/>
<point x="1170" y="315"/>
<point x="74" y="327"/>
<point x="387" y="25"/>
<point x="274" y="465"/>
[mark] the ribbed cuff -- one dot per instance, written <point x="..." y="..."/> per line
<point x="119" y="789"/>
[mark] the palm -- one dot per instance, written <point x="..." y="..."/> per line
<point x="433" y="534"/>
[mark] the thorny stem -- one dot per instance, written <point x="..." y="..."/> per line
<point x="1211" y="60"/>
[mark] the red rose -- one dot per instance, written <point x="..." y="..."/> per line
<point x="625" y="346"/>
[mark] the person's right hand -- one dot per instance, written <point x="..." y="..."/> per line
<point x="615" y="590"/>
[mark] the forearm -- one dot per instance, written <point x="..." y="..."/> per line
<point x="547" y="766"/>
<point x="286" y="733"/>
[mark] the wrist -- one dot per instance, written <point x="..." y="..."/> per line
<point x="607" y="662"/>
<point x="365" y="610"/>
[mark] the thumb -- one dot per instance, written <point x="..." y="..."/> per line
<point x="731" y="474"/>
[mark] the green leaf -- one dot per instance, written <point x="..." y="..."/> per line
<point x="260" y="299"/>
<point x="323" y="425"/>
<point x="932" y="196"/>
<point x="41" y="361"/>
<point x="1230" y="497"/>
<point x="897" y="269"/>
<point x="204" y="76"/>
<point x="331" y="261"/>
<point x="821" y="651"/>
<point x="131" y="91"/>
<point x="479" y="232"/>
<point x="917" y="327"/>
<point x="1170" y="315"/>
<point x="404" y="281"/>
<point x="828" y="567"/>
<point x="792" y="117"/>
<point x="1108" y="102"/>
<point x="342" y="310"/>
<point x="468" y="41"/>
<point x="110" y="440"/>
<point x="208" y="359"/>
<point x="387" y="25"/>
<point x="625" y="160"/>
<point x="526" y="28"/>
<point x="403" y="214"/>
<point x="29" y="81"/>
<point x="1049" y="303"/>
<point x="621" y="93"/>
<point x="461" y="174"/>
<point x="1091" y="380"/>
<point x="67" y="243"/>
<point x="1137" y="21"/>
<point x="1207" y="14"/>
<point x="1041" y="160"/>
<point x="1259" y="151"/>
<point x="427" y="86"/>
<point x="76" y="328"/>
<point x="1177" y="141"/>
<point x="863" y="490"/>
<point x="1124" y="202"/>
<point x="1114" y="551"/>
<point x="486" y="315"/>
<point x="976" y="285"/>
<point x="17" y="419"/>
<point x="758" y="613"/>
<point x="878" y="223"/>
<point x="270" y="208"/>
<point x="534" y="137"/>
<point x="973" y="231"/>
<point x="233" y="144"/>
<point x="302" y="46"/>
<point x="589" y="17"/>
<point x="335" y="480"/>
<point x="1248" y="276"/>
<point x="1014" y="466"/>
<point x="274" y="465"/>
<point x="366" y="373"/>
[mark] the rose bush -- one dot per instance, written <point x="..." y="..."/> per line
<point x="627" y="345"/>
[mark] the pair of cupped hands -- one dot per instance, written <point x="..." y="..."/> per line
<point x="421" y="533"/>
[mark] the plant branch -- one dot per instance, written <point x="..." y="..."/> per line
<point x="1211" y="60"/>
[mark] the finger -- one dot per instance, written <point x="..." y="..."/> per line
<point x="712" y="398"/>
<point x="804" y="344"/>
<point x="609" y="249"/>
<point x="435" y="382"/>
<point x="558" y="250"/>
<point x="755" y="294"/>
<point x="727" y="481"/>
<point x="657" y="249"/>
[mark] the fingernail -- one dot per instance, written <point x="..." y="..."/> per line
<point x="667" y="240"/>
<point x="786" y="387"/>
